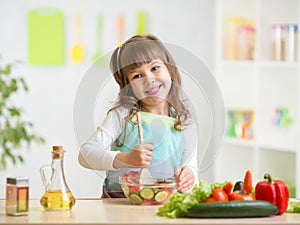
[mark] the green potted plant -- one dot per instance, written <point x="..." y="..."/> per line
<point x="15" y="132"/>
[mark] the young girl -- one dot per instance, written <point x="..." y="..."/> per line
<point x="149" y="83"/>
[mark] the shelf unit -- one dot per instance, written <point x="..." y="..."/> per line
<point x="263" y="85"/>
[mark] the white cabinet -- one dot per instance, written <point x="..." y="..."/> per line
<point x="261" y="84"/>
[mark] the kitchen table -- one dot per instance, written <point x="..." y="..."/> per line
<point x="121" y="211"/>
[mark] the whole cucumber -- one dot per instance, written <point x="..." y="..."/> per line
<point x="232" y="209"/>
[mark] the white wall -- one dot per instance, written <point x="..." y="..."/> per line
<point x="49" y="104"/>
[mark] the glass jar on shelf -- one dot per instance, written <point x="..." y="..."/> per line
<point x="240" y="39"/>
<point x="291" y="42"/>
<point x="246" y="42"/>
<point x="278" y="42"/>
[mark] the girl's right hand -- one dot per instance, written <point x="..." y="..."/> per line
<point x="139" y="156"/>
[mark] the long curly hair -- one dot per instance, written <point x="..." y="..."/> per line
<point x="139" y="50"/>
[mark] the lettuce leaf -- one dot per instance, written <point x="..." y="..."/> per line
<point x="180" y="203"/>
<point x="294" y="207"/>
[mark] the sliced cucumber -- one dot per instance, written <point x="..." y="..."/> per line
<point x="160" y="180"/>
<point x="161" y="196"/>
<point x="125" y="189"/>
<point x="147" y="193"/>
<point x="136" y="198"/>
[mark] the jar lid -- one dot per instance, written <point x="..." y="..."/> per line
<point x="19" y="181"/>
<point x="278" y="26"/>
<point x="293" y="27"/>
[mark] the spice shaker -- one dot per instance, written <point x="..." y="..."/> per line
<point x="291" y="42"/>
<point x="17" y="196"/>
<point x="278" y="42"/>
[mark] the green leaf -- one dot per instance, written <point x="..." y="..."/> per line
<point x="25" y="87"/>
<point x="3" y="161"/>
<point x="14" y="112"/>
<point x="21" y="159"/>
<point x="7" y="69"/>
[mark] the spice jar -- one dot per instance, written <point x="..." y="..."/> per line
<point x="278" y="42"/>
<point x="246" y="42"/>
<point x="291" y="42"/>
<point x="17" y="196"/>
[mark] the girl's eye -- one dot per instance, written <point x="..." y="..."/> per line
<point x="154" y="68"/>
<point x="136" y="76"/>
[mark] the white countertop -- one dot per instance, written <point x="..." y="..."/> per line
<point x="121" y="211"/>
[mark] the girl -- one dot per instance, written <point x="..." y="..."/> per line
<point x="149" y="83"/>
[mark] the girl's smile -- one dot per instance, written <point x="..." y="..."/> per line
<point x="153" y="90"/>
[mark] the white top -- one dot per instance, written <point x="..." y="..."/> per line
<point x="98" y="152"/>
<point x="122" y="211"/>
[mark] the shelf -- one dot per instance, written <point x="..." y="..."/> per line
<point x="254" y="143"/>
<point x="281" y="148"/>
<point x="240" y="142"/>
<point x="261" y="84"/>
<point x="255" y="63"/>
<point x="275" y="64"/>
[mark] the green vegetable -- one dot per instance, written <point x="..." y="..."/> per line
<point x="147" y="193"/>
<point x="233" y="209"/>
<point x="180" y="203"/>
<point x="161" y="196"/>
<point x="293" y="207"/>
<point x="238" y="186"/>
<point x="126" y="189"/>
<point x="136" y="198"/>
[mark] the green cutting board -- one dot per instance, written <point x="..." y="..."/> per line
<point x="46" y="36"/>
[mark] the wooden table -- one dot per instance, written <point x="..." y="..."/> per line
<point x="121" y="211"/>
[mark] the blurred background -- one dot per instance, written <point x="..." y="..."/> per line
<point x="250" y="49"/>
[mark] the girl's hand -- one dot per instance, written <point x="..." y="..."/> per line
<point x="184" y="177"/>
<point x="139" y="156"/>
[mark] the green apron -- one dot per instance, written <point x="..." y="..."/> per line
<point x="168" y="147"/>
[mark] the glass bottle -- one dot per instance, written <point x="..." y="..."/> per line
<point x="278" y="42"/>
<point x="57" y="194"/>
<point x="291" y="42"/>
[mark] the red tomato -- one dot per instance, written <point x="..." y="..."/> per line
<point x="210" y="200"/>
<point x="220" y="195"/>
<point x="240" y="195"/>
<point x="133" y="189"/>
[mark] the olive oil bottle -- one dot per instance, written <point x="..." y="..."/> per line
<point x="57" y="194"/>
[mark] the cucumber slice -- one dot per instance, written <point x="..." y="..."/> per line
<point x="125" y="189"/>
<point x="136" y="198"/>
<point x="147" y="193"/>
<point x="161" y="196"/>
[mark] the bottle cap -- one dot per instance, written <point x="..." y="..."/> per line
<point x="57" y="151"/>
<point x="57" y="148"/>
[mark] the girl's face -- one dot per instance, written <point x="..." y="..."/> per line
<point x="151" y="82"/>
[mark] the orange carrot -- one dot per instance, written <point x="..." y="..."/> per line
<point x="247" y="185"/>
<point x="228" y="188"/>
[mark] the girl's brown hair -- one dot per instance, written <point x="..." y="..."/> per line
<point x="138" y="50"/>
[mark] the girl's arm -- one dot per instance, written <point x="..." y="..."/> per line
<point x="96" y="153"/>
<point x="189" y="161"/>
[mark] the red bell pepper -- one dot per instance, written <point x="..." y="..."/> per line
<point x="274" y="191"/>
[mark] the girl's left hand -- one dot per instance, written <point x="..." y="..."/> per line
<point x="184" y="177"/>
